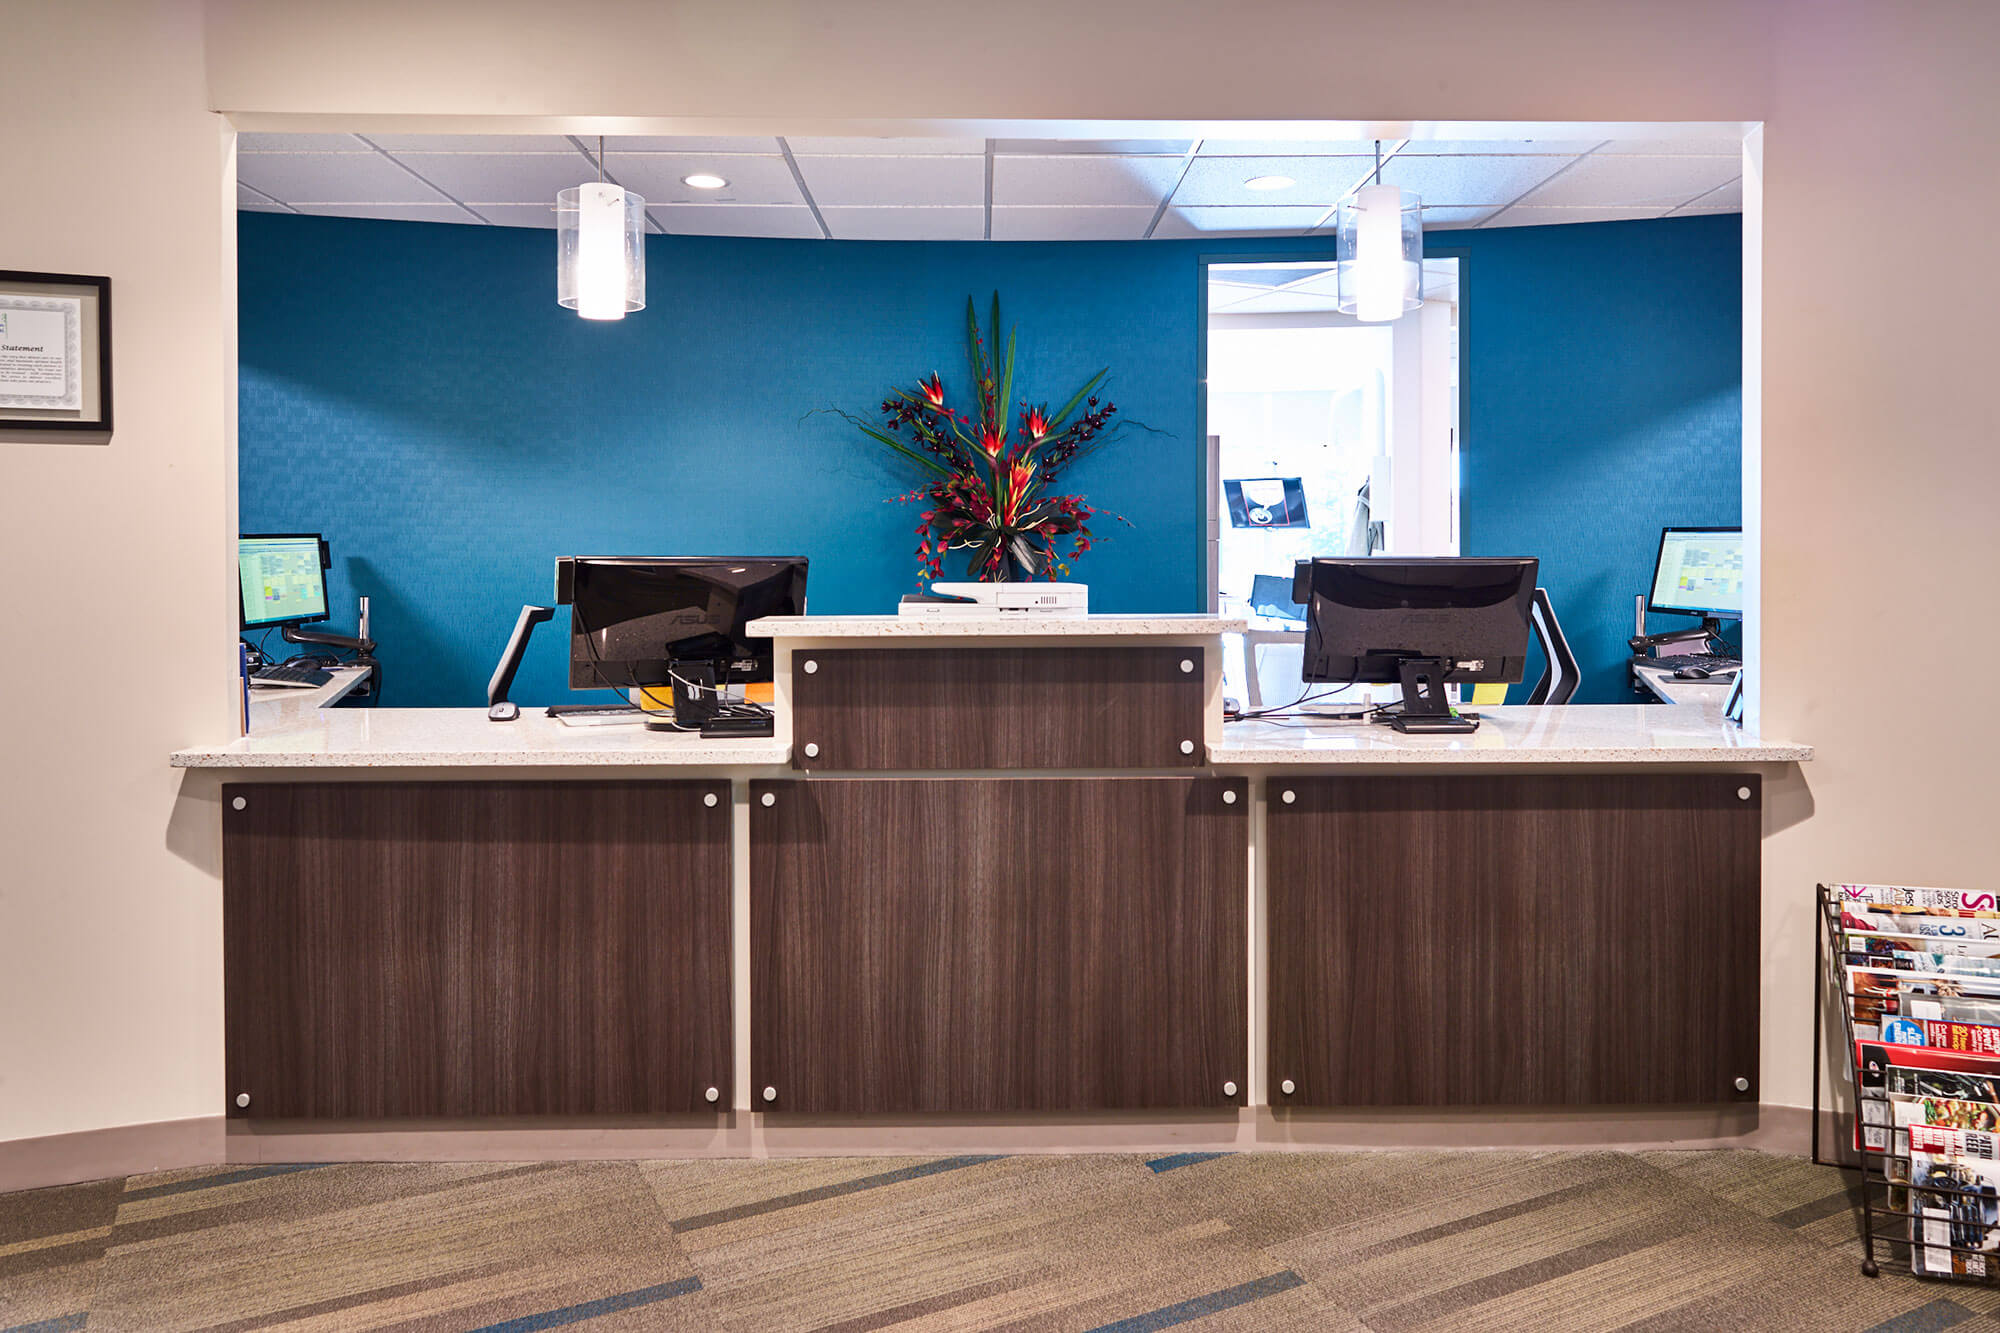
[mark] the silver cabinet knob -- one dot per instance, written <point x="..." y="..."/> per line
<point x="1742" y="793"/>
<point x="1288" y="1087"/>
<point x="709" y="800"/>
<point x="1291" y="796"/>
<point x="1187" y="747"/>
<point x="239" y="804"/>
<point x="712" y="1094"/>
<point x="1743" y="1085"/>
<point x="1187" y="665"/>
<point x="242" y="1099"/>
<point x="811" y="666"/>
<point x="812" y="749"/>
<point x="1229" y="1089"/>
<point x="770" y="1094"/>
<point x="769" y="800"/>
<point x="1229" y="798"/>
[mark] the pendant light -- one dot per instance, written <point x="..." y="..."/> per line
<point x="600" y="248"/>
<point x="1380" y="250"/>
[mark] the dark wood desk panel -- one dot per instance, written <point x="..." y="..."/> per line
<point x="1514" y="940"/>
<point x="998" y="945"/>
<point x="877" y="709"/>
<point x="485" y="948"/>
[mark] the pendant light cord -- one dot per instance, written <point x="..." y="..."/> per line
<point x="600" y="159"/>
<point x="1378" y="159"/>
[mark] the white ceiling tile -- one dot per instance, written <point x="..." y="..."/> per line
<point x="682" y="143"/>
<point x="1633" y="182"/>
<point x="299" y="143"/>
<point x="1179" y="222"/>
<point x="1697" y="212"/>
<point x="1497" y="147"/>
<point x="752" y="180"/>
<point x="334" y="178"/>
<point x="254" y="205"/>
<point x="392" y="212"/>
<point x="1722" y="144"/>
<point x="1292" y="148"/>
<point x="905" y="224"/>
<point x="1100" y="179"/>
<point x="1123" y="147"/>
<point x="245" y="196"/>
<point x="858" y="147"/>
<point x="1101" y="223"/>
<point x="1457" y="181"/>
<point x="472" y="143"/>
<point x="1723" y="197"/>
<point x="1281" y="303"/>
<point x="787" y="221"/>
<point x="518" y="215"/>
<point x="1322" y="181"/>
<point x="1445" y="218"/>
<point x="1530" y="215"/>
<point x="502" y="178"/>
<point x="880" y="181"/>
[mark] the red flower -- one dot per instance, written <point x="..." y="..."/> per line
<point x="1037" y="423"/>
<point x="932" y="390"/>
<point x="990" y="441"/>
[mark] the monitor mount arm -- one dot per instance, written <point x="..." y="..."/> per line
<point x="1710" y="628"/>
<point x="293" y="634"/>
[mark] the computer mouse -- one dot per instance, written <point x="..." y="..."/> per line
<point x="503" y="712"/>
<point x="1691" y="673"/>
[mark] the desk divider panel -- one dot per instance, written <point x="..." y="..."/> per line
<point x="984" y="945"/>
<point x="483" y="948"/>
<point x="880" y="709"/>
<point x="1527" y="940"/>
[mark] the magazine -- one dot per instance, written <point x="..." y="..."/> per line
<point x="1945" y="925"/>
<point x="1892" y="895"/>
<point x="1954" y="1201"/>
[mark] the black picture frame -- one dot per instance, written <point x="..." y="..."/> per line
<point x="23" y="282"/>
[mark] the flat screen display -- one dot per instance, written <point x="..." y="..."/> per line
<point x="1700" y="572"/>
<point x="283" y="580"/>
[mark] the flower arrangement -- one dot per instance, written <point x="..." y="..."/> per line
<point x="990" y="489"/>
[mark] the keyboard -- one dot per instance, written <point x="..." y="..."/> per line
<point x="297" y="675"/>
<point x="1707" y="661"/>
<point x="590" y="710"/>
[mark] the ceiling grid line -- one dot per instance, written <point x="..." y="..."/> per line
<point x="1187" y="163"/>
<point x="799" y="177"/>
<point x="377" y="148"/>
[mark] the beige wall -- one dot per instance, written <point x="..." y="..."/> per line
<point x="116" y="640"/>
<point x="1878" y="469"/>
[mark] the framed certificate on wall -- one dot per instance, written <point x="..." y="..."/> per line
<point x="55" y="353"/>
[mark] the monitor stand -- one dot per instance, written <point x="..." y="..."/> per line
<point x="1425" y="708"/>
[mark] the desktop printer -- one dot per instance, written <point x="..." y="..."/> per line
<point x="1062" y="599"/>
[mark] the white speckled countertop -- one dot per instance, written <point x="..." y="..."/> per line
<point x="1000" y="623"/>
<point x="464" y="738"/>
<point x="1574" y="734"/>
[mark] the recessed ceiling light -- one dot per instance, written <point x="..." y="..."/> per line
<point x="703" y="180"/>
<point x="1269" y="183"/>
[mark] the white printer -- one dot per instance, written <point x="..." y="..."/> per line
<point x="982" y="599"/>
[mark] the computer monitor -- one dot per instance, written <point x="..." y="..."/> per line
<point x="282" y="577"/>
<point x="1699" y="573"/>
<point x="638" y="621"/>
<point x="1419" y="623"/>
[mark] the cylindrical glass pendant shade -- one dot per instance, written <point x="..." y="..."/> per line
<point x="1381" y="253"/>
<point x="600" y="251"/>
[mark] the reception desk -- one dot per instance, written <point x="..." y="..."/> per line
<point x="987" y="869"/>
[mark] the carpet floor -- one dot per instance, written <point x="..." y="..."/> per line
<point x="1401" y="1242"/>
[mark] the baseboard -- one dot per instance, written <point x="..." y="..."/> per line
<point x="1777" y="1129"/>
<point x="63" y="1159"/>
<point x="123" y="1150"/>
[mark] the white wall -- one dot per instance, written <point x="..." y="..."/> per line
<point x="1878" y="473"/>
<point x="116" y="644"/>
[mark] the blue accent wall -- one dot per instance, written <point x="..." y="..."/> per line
<point x="412" y="391"/>
<point x="1604" y="377"/>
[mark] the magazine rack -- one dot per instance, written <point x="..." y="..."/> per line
<point x="1932" y="1210"/>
